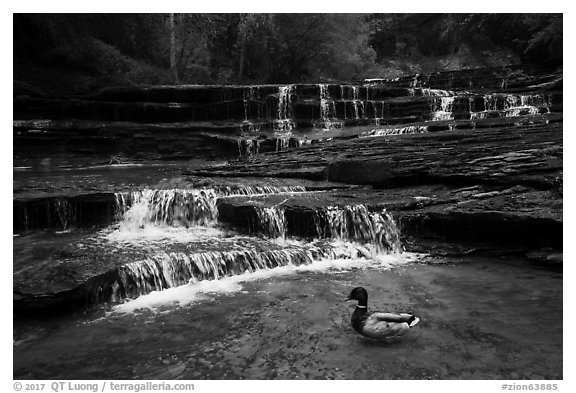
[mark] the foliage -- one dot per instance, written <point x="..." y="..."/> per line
<point x="272" y="48"/>
<point x="533" y="37"/>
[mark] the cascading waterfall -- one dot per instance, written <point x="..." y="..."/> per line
<point x="378" y="119"/>
<point x="355" y="101"/>
<point x="510" y="105"/>
<point x="168" y="270"/>
<point x="247" y="128"/>
<point x="167" y="207"/>
<point x="66" y="213"/>
<point x="282" y="142"/>
<point x="195" y="206"/>
<point x="443" y="109"/>
<point x="427" y="92"/>
<point x="284" y="122"/>
<point x="357" y="223"/>
<point x="248" y="147"/>
<point x="59" y="213"/>
<point x="342" y="233"/>
<point x="249" y="95"/>
<point x="395" y="131"/>
<point x="199" y="207"/>
<point x="343" y="97"/>
<point x="272" y="221"/>
<point x="327" y="109"/>
<point x="258" y="190"/>
<point x="353" y="222"/>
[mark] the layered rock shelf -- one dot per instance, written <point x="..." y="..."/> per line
<point x="241" y="121"/>
<point x="499" y="185"/>
<point x="464" y="161"/>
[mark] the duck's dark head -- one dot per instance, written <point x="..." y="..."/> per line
<point x="360" y="295"/>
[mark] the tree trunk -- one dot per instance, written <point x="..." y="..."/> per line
<point x="173" y="65"/>
<point x="241" y="65"/>
<point x="242" y="59"/>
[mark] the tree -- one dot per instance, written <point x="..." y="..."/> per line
<point x="173" y="65"/>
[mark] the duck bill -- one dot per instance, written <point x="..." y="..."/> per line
<point x="345" y="300"/>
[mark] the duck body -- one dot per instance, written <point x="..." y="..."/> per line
<point x="378" y="325"/>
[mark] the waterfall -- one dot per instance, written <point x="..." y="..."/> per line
<point x="248" y="128"/>
<point x="272" y="221"/>
<point x="248" y="96"/>
<point x="510" y="105"/>
<point x="436" y="92"/>
<point x="444" y="110"/>
<point x="374" y="109"/>
<point x="357" y="223"/>
<point x="66" y="213"/>
<point x="353" y="223"/>
<point x="395" y="131"/>
<point x="343" y="233"/>
<point x="326" y="122"/>
<point x="168" y="207"/>
<point x="284" y="122"/>
<point x="248" y="147"/>
<point x="168" y="270"/>
<point x="182" y="207"/>
<point x="258" y="190"/>
<point x="355" y="101"/>
<point x="490" y="102"/>
<point x="282" y="142"/>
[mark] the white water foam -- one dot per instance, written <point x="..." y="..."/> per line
<point x="160" y="233"/>
<point x="206" y="289"/>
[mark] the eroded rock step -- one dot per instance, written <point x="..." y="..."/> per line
<point x="167" y="238"/>
<point x="528" y="155"/>
<point x="63" y="212"/>
<point x="109" y="142"/>
<point x="91" y="269"/>
<point x="511" y="78"/>
<point x="165" y="247"/>
<point x="515" y="216"/>
<point x="325" y="106"/>
<point x="86" y="210"/>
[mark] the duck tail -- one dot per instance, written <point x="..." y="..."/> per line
<point x="413" y="321"/>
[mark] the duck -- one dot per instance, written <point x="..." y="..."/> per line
<point x="378" y="325"/>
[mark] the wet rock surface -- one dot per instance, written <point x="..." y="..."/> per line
<point x="530" y="155"/>
<point x="502" y="184"/>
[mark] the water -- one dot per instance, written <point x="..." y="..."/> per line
<point x="284" y="123"/>
<point x="443" y="109"/>
<point x="395" y="131"/>
<point x="169" y="207"/>
<point x="248" y="147"/>
<point x="295" y="326"/>
<point x="328" y="113"/>
<point x="493" y="105"/>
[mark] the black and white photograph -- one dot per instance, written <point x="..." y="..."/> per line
<point x="287" y="196"/>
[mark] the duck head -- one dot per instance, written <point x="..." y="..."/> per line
<point x="360" y="295"/>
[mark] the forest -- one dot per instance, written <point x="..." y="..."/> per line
<point x="66" y="54"/>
